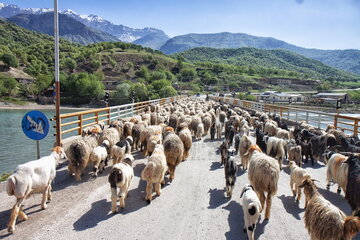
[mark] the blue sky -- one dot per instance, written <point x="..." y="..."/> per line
<point x="323" y="24"/>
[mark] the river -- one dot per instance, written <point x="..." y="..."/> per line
<point x="15" y="147"/>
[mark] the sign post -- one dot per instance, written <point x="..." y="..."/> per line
<point x="57" y="79"/>
<point x="35" y="125"/>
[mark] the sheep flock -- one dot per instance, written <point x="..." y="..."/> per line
<point x="250" y="142"/>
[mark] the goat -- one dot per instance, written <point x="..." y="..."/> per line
<point x="230" y="169"/>
<point x="337" y="170"/>
<point x="353" y="184"/>
<point x="252" y="208"/>
<point x="99" y="157"/>
<point x="32" y="177"/>
<point x="297" y="176"/>
<point x="121" y="148"/>
<point x="323" y="220"/>
<point x="120" y="176"/>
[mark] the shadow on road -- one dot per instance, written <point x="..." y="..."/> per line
<point x="5" y="217"/>
<point x="217" y="198"/>
<point x="336" y="199"/>
<point x="235" y="220"/>
<point x="215" y="165"/>
<point x="136" y="199"/>
<point x="138" y="169"/>
<point x="100" y="211"/>
<point x="260" y="228"/>
<point x="291" y="206"/>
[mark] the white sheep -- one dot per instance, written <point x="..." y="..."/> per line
<point x="297" y="176"/>
<point x="154" y="172"/>
<point x="99" y="157"/>
<point x="270" y="128"/>
<point x="199" y="131"/>
<point x="294" y="153"/>
<point x="282" y="133"/>
<point x="32" y="177"/>
<point x="276" y="149"/>
<point x="245" y="130"/>
<point x="252" y="208"/>
<point x="337" y="170"/>
<point x="245" y="143"/>
<point x="120" y="176"/>
<point x="263" y="175"/>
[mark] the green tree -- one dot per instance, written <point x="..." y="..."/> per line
<point x="187" y="74"/>
<point x="10" y="60"/>
<point x="43" y="82"/>
<point x="167" y="91"/>
<point x="143" y="72"/>
<point x="70" y="64"/>
<point x="122" y="94"/>
<point x="8" y="86"/>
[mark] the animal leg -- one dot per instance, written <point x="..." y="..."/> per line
<point x="114" y="200"/>
<point x="49" y="193"/>
<point x="339" y="190"/>
<point x="292" y="188"/>
<point x="44" y="198"/>
<point x="268" y="206"/>
<point x="261" y="196"/>
<point x="14" y="215"/>
<point x="22" y="215"/>
<point x="158" y="188"/>
<point x="299" y="193"/>
<point x="149" y="191"/>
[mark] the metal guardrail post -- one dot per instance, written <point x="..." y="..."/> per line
<point x="296" y="116"/>
<point x="335" y="121"/>
<point x="307" y="117"/>
<point x="288" y="115"/>
<point x="356" y="127"/>
<point x="80" y="118"/>
<point x="319" y="121"/>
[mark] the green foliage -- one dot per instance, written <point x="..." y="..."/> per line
<point x="10" y="60"/>
<point x="8" y="86"/>
<point x="167" y="91"/>
<point x="122" y="94"/>
<point x="43" y="82"/>
<point x="355" y="95"/>
<point x="70" y="64"/>
<point x="143" y="72"/>
<point x="4" y="176"/>
<point x="188" y="74"/>
<point x="141" y="92"/>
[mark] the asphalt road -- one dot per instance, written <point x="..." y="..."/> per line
<point x="193" y="206"/>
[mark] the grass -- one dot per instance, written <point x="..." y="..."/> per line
<point x="14" y="100"/>
<point x="4" y="176"/>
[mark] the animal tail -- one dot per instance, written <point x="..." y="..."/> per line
<point x="10" y="186"/>
<point x="148" y="171"/>
<point x="351" y="226"/>
<point x="115" y="176"/>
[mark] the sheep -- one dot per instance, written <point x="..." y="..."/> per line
<point x="99" y="156"/>
<point x="127" y="130"/>
<point x="79" y="154"/>
<point x="113" y="134"/>
<point x="294" y="153"/>
<point x="323" y="220"/>
<point x="237" y="143"/>
<point x="120" y="176"/>
<point x="297" y="176"/>
<point x="319" y="144"/>
<point x="229" y="134"/>
<point x="199" y="131"/>
<point x="120" y="149"/>
<point x="276" y="148"/>
<point x="174" y="151"/>
<point x="185" y="136"/>
<point x="282" y="133"/>
<point x="146" y="133"/>
<point x="245" y="130"/>
<point x="337" y="170"/>
<point x="353" y="184"/>
<point x="305" y="149"/>
<point x="252" y="208"/>
<point x="173" y="121"/>
<point x="136" y="133"/>
<point x="263" y="175"/>
<point x="230" y="169"/>
<point x="347" y="146"/>
<point x="224" y="151"/>
<point x="152" y="142"/>
<point x="32" y="177"/>
<point x="153" y="118"/>
<point x="270" y="129"/>
<point x="207" y="124"/>
<point x="245" y="143"/>
<point x="218" y="126"/>
<point x="154" y="172"/>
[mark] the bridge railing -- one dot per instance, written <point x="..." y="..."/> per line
<point x="314" y="118"/>
<point x="74" y="123"/>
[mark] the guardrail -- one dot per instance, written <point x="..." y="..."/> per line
<point x="75" y="122"/>
<point x="314" y="118"/>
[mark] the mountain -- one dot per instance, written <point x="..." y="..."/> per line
<point x="279" y="59"/>
<point x="348" y="60"/>
<point x="125" y="34"/>
<point x="70" y="29"/>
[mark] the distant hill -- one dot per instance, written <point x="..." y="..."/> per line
<point x="280" y="59"/>
<point x="69" y="28"/>
<point x="348" y="60"/>
<point x="123" y="33"/>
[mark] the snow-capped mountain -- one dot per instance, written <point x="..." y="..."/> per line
<point x="123" y="33"/>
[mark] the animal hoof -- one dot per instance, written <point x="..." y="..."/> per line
<point x="11" y="229"/>
<point x="244" y="229"/>
<point x="43" y="207"/>
<point x="327" y="187"/>
<point x="339" y="191"/>
<point x="148" y="201"/>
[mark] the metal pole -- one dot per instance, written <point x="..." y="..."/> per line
<point x="38" y="149"/>
<point x="57" y="80"/>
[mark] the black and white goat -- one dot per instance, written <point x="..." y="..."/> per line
<point x="251" y="207"/>
<point x="230" y="169"/>
<point x="121" y="148"/>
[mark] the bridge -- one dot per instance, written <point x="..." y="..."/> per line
<point x="193" y="206"/>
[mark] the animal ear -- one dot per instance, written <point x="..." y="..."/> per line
<point x="303" y="183"/>
<point x="242" y="193"/>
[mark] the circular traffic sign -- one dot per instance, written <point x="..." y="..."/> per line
<point x="35" y="125"/>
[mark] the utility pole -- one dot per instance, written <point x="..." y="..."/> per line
<point x="57" y="79"/>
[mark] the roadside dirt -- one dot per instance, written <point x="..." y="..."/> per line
<point x="193" y="206"/>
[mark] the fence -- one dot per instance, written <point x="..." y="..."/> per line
<point x="75" y="122"/>
<point x="314" y="118"/>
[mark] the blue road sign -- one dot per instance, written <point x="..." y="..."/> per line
<point x="35" y="125"/>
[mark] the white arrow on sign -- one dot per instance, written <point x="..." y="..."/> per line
<point x="36" y="127"/>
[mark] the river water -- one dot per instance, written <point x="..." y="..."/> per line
<point x="15" y="147"/>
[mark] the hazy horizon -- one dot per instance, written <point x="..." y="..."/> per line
<point x="322" y="24"/>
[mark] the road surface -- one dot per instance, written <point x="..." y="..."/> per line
<point x="193" y="206"/>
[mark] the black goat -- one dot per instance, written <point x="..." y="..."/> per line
<point x="230" y="169"/>
<point x="348" y="147"/>
<point x="319" y="144"/>
<point x="305" y="149"/>
<point x="229" y="134"/>
<point x="260" y="139"/>
<point x="224" y="151"/>
<point x="353" y="184"/>
<point x="212" y="131"/>
<point x="237" y="143"/>
<point x="307" y="135"/>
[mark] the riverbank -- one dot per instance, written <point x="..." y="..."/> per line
<point x="36" y="106"/>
